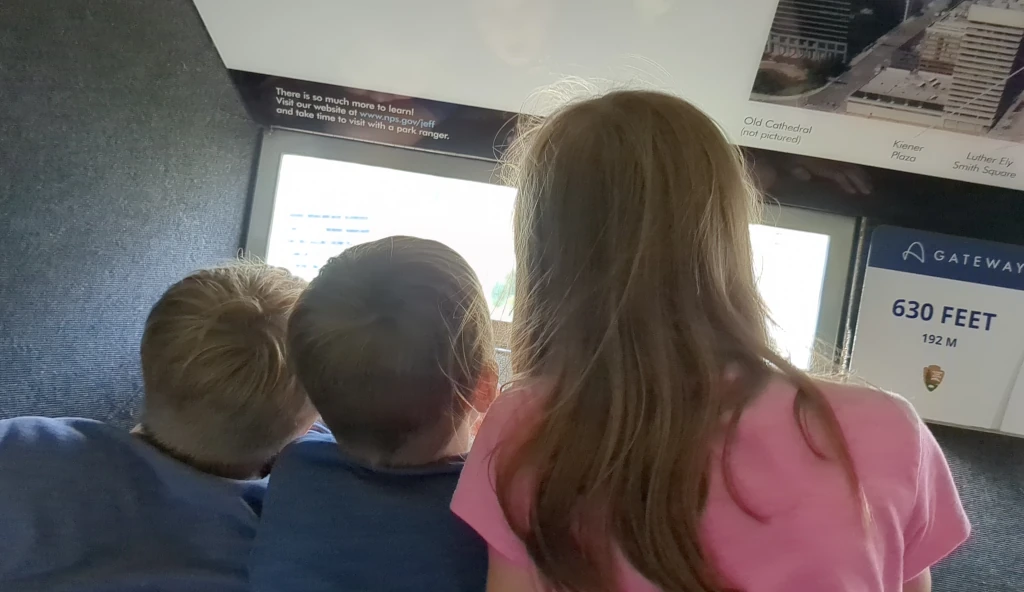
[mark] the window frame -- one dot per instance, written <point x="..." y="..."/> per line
<point x="837" y="279"/>
<point x="276" y="143"/>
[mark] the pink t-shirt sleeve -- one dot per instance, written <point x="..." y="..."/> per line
<point x="937" y="524"/>
<point x="475" y="500"/>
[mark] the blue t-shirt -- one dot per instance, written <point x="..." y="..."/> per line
<point x="86" y="507"/>
<point x="330" y="523"/>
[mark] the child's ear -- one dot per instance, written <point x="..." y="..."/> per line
<point x="486" y="390"/>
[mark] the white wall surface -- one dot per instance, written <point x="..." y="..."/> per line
<point x="498" y="53"/>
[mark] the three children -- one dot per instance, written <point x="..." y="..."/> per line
<point x="653" y="439"/>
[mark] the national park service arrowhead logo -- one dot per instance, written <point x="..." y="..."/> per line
<point x="933" y="376"/>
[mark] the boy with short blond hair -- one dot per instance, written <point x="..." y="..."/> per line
<point x="219" y="390"/>
<point x="175" y="504"/>
<point x="393" y="343"/>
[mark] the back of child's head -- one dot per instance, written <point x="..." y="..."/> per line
<point x="636" y="301"/>
<point x="633" y="208"/>
<point x="393" y="343"/>
<point x="219" y="391"/>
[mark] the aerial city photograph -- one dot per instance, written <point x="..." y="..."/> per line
<point x="941" y="64"/>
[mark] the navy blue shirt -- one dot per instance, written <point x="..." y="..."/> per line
<point x="330" y="523"/>
<point x="87" y="507"/>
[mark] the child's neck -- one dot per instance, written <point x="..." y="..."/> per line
<point x="236" y="472"/>
<point x="460" y="443"/>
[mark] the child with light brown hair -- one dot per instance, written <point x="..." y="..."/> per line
<point x="220" y="394"/>
<point x="174" y="505"/>
<point x="653" y="438"/>
<point x="393" y="343"/>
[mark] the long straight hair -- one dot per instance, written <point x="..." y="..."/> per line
<point x="637" y="306"/>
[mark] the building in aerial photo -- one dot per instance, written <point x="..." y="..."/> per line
<point x="816" y="29"/>
<point x="944" y="64"/>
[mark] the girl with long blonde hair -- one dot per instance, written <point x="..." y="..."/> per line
<point x="653" y="439"/>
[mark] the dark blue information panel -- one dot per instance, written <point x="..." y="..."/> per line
<point x="950" y="257"/>
<point x="370" y="116"/>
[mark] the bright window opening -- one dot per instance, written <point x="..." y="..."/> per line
<point x="322" y="207"/>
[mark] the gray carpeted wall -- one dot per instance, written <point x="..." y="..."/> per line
<point x="989" y="471"/>
<point x="125" y="161"/>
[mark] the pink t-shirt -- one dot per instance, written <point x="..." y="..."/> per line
<point x="814" y="538"/>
